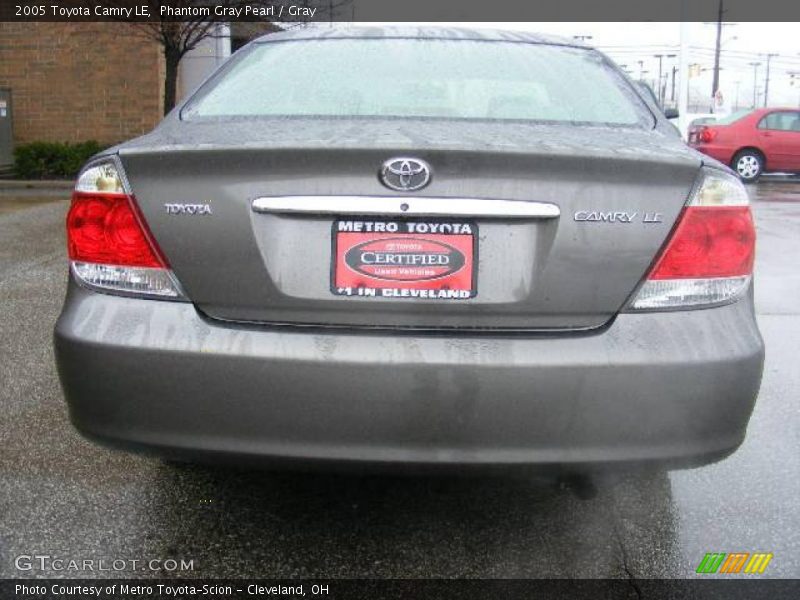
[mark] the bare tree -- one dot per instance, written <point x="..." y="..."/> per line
<point x="176" y="39"/>
<point x="183" y="25"/>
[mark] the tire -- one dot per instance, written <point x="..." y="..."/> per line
<point x="749" y="165"/>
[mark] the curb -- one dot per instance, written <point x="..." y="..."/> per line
<point x="22" y="184"/>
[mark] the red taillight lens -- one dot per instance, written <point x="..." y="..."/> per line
<point x="709" y="241"/>
<point x="708" y="258"/>
<point x="707" y="135"/>
<point x="110" y="248"/>
<point x="104" y="229"/>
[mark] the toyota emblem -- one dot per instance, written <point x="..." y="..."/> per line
<point x="405" y="174"/>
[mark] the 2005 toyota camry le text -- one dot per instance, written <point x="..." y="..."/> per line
<point x="412" y="246"/>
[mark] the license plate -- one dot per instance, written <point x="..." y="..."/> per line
<point x="428" y="260"/>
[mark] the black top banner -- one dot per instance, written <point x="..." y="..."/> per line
<point x="319" y="11"/>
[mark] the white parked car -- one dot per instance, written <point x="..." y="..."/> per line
<point x="685" y="123"/>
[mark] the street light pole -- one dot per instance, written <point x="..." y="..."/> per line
<point x="660" y="58"/>
<point x="766" y="82"/>
<point x="755" y="81"/>
<point x="672" y="93"/>
<point x="661" y="91"/>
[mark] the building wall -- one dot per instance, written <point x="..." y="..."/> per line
<point x="201" y="61"/>
<point x="80" y="81"/>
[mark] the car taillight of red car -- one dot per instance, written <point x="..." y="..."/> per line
<point x="705" y="135"/>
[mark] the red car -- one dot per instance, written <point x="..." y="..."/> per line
<point x="753" y="142"/>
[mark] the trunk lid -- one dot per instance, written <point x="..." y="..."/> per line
<point x="619" y="192"/>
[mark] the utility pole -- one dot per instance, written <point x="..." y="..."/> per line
<point x="641" y="70"/>
<point x="683" y="69"/>
<point x="715" y="82"/>
<point x="736" y="103"/>
<point x="766" y="82"/>
<point x="755" y="81"/>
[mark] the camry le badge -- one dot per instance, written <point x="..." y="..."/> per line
<point x="620" y="216"/>
<point x="405" y="174"/>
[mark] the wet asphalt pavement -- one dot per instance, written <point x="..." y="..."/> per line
<point x="66" y="497"/>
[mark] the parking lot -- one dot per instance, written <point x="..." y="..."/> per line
<point x="63" y="496"/>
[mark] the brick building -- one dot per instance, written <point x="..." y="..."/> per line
<point x="73" y="82"/>
<point x="80" y="81"/>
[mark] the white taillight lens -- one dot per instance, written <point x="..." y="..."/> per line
<point x="708" y="259"/>
<point x="109" y="246"/>
<point x="132" y="280"/>
<point x="689" y="293"/>
<point x="100" y="178"/>
<point x="719" y="189"/>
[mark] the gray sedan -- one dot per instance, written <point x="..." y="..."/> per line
<point x="412" y="246"/>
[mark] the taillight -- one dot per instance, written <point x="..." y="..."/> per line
<point x="709" y="242"/>
<point x="108" y="242"/>
<point x="708" y="259"/>
<point x="706" y="135"/>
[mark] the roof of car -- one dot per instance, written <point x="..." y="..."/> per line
<point x="429" y="32"/>
<point x="773" y="108"/>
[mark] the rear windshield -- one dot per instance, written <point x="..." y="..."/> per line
<point x="733" y="117"/>
<point x="422" y="78"/>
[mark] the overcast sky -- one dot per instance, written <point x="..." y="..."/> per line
<point x="743" y="43"/>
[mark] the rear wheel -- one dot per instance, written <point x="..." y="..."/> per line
<point x="748" y="164"/>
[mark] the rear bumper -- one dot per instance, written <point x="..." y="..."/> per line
<point x="156" y="375"/>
